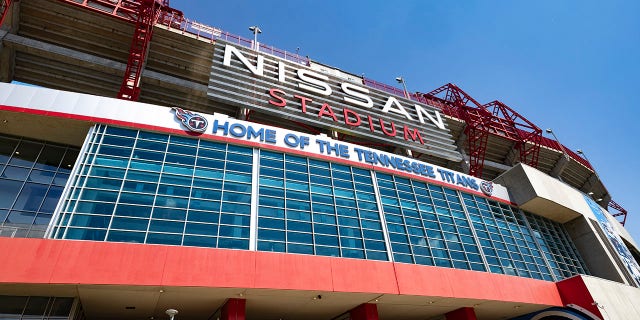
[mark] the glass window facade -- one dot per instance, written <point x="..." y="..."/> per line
<point x="136" y="186"/>
<point x="23" y="307"/>
<point x="32" y="177"/>
<point x="316" y="207"/>
<point x="151" y="188"/>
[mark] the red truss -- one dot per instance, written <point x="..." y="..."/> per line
<point x="145" y="14"/>
<point x="621" y="211"/>
<point x="457" y="103"/>
<point x="4" y="9"/>
<point x="508" y="123"/>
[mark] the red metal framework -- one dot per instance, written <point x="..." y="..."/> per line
<point x="621" y="211"/>
<point x="148" y="11"/>
<point x="4" y="9"/>
<point x="508" y="123"/>
<point x="455" y="102"/>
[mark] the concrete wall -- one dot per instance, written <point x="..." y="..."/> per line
<point x="615" y="300"/>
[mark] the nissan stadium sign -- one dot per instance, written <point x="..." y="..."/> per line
<point x="245" y="78"/>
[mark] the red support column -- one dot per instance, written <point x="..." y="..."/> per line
<point x="234" y="309"/>
<point x="465" y="313"/>
<point x="365" y="311"/>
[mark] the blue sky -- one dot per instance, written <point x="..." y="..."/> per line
<point x="568" y="65"/>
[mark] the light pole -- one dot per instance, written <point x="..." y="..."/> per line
<point x="404" y="85"/>
<point x="564" y="152"/>
<point x="255" y="30"/>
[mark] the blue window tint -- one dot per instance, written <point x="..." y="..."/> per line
<point x="166" y="226"/>
<point x="85" y="234"/>
<point x="211" y="145"/>
<point x="8" y="192"/>
<point x="238" y="149"/>
<point x="203" y="216"/>
<point x="326" y="240"/>
<point x="142" y="176"/>
<point x="178" y="169"/>
<point x="196" y="241"/>
<point x="232" y="219"/>
<point x="273" y="182"/>
<point x="325" y="229"/>
<point x="271" y="246"/>
<point x="201" y="228"/>
<point x="271" y="212"/>
<point x="151" y="145"/>
<point x="299" y="237"/>
<point x="185" y="150"/>
<point x="123" y="236"/>
<point x="327" y="251"/>
<point x="94" y="207"/>
<point x="207" y="205"/>
<point x="233" y="231"/>
<point x="236" y="208"/>
<point x="209" y="194"/>
<point x="169" y="213"/>
<point x="299" y="248"/>
<point x="273" y="235"/>
<point x="174" y="190"/>
<point x="298" y="215"/>
<point x="130" y="224"/>
<point x="164" y="238"/>
<point x="20" y="218"/>
<point x="353" y="253"/>
<point x="30" y="197"/>
<point x="132" y="211"/>
<point x="93" y="221"/>
<point x="236" y="197"/>
<point x="233" y="243"/>
<point x="271" y="223"/>
<point x="238" y="177"/>
<point x="136" y="198"/>
<point x="182" y="140"/>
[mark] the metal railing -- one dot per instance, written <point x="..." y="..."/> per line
<point x="203" y="31"/>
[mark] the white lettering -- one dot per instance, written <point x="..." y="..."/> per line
<point x="399" y="109"/>
<point x="437" y="121"/>
<point x="258" y="69"/>
<point x="359" y="92"/>
<point x="313" y="78"/>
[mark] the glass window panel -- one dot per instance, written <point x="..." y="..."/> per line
<point x="201" y="228"/>
<point x="234" y="231"/>
<point x="299" y="248"/>
<point x="271" y="246"/>
<point x="164" y="238"/>
<point x="325" y="229"/>
<point x="199" y="241"/>
<point x="207" y="205"/>
<point x="8" y="192"/>
<point x="327" y="251"/>
<point x="130" y="224"/>
<point x="233" y="243"/>
<point x="85" y="234"/>
<point x="17" y="218"/>
<point x="274" y="235"/>
<point x="16" y="173"/>
<point x="132" y="211"/>
<point x="124" y="236"/>
<point x="151" y="145"/>
<point x="30" y="197"/>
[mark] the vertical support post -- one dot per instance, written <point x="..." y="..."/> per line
<point x="465" y="313"/>
<point x="233" y="309"/>
<point x="365" y="311"/>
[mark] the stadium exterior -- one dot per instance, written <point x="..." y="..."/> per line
<point x="232" y="180"/>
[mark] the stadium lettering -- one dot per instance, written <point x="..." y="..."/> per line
<point x="347" y="116"/>
<point x="314" y="82"/>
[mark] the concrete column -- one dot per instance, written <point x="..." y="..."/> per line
<point x="365" y="311"/>
<point x="465" y="313"/>
<point x="234" y="309"/>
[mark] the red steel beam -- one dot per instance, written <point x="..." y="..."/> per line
<point x="458" y="103"/>
<point x="4" y="9"/>
<point x="621" y="211"/>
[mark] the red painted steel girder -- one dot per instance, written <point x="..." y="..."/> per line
<point x="149" y="11"/>
<point x="621" y="211"/>
<point x="4" y="9"/>
<point x="457" y="103"/>
<point x="510" y="124"/>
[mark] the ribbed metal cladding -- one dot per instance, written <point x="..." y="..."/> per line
<point x="236" y="85"/>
